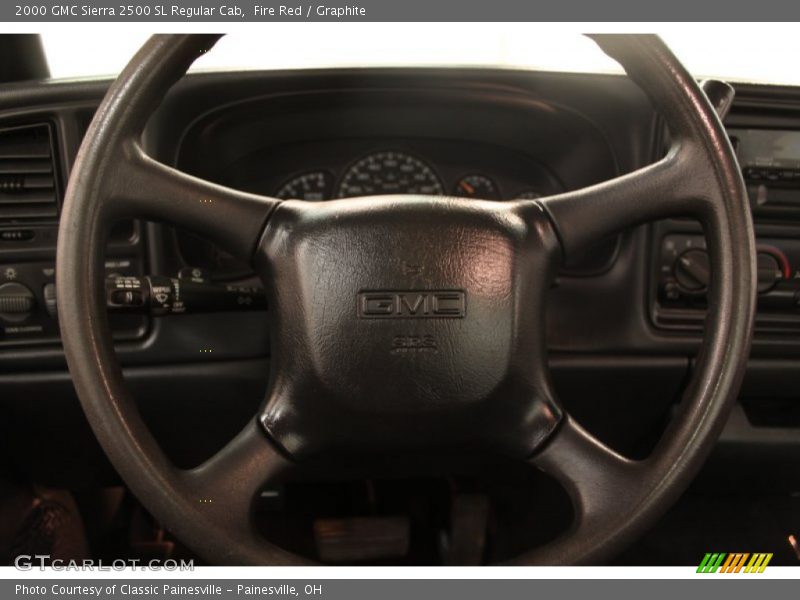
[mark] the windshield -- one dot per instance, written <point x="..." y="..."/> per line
<point x="726" y="51"/>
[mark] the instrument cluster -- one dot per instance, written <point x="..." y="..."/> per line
<point x="348" y="167"/>
<point x="386" y="172"/>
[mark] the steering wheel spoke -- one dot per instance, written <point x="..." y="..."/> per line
<point x="596" y="478"/>
<point x="667" y="188"/>
<point x="146" y="188"/>
<point x="603" y="486"/>
<point x="228" y="482"/>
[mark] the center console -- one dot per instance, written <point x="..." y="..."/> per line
<point x="770" y="161"/>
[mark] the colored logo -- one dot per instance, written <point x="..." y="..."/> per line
<point x="738" y="562"/>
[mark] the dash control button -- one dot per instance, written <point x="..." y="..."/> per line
<point x="16" y="235"/>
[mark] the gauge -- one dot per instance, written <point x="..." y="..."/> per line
<point x="389" y="173"/>
<point x="527" y="195"/>
<point x="477" y="186"/>
<point x="313" y="186"/>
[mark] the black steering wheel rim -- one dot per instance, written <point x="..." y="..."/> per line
<point x="615" y="498"/>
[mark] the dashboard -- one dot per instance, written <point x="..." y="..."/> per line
<point x="625" y="318"/>
<point x="344" y="168"/>
<point x="465" y="141"/>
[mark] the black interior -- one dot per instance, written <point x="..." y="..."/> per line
<point x="622" y="328"/>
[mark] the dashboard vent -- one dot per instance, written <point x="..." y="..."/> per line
<point x="28" y="190"/>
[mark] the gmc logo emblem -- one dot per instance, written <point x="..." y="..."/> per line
<point x="412" y="304"/>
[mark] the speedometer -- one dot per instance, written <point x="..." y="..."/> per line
<point x="389" y="173"/>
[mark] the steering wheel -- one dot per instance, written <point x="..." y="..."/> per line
<point x="406" y="324"/>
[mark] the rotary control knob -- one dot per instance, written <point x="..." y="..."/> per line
<point x="16" y="301"/>
<point x="692" y="271"/>
<point x="769" y="271"/>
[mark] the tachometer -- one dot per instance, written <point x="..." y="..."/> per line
<point x="313" y="186"/>
<point x="389" y="173"/>
<point x="476" y="186"/>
